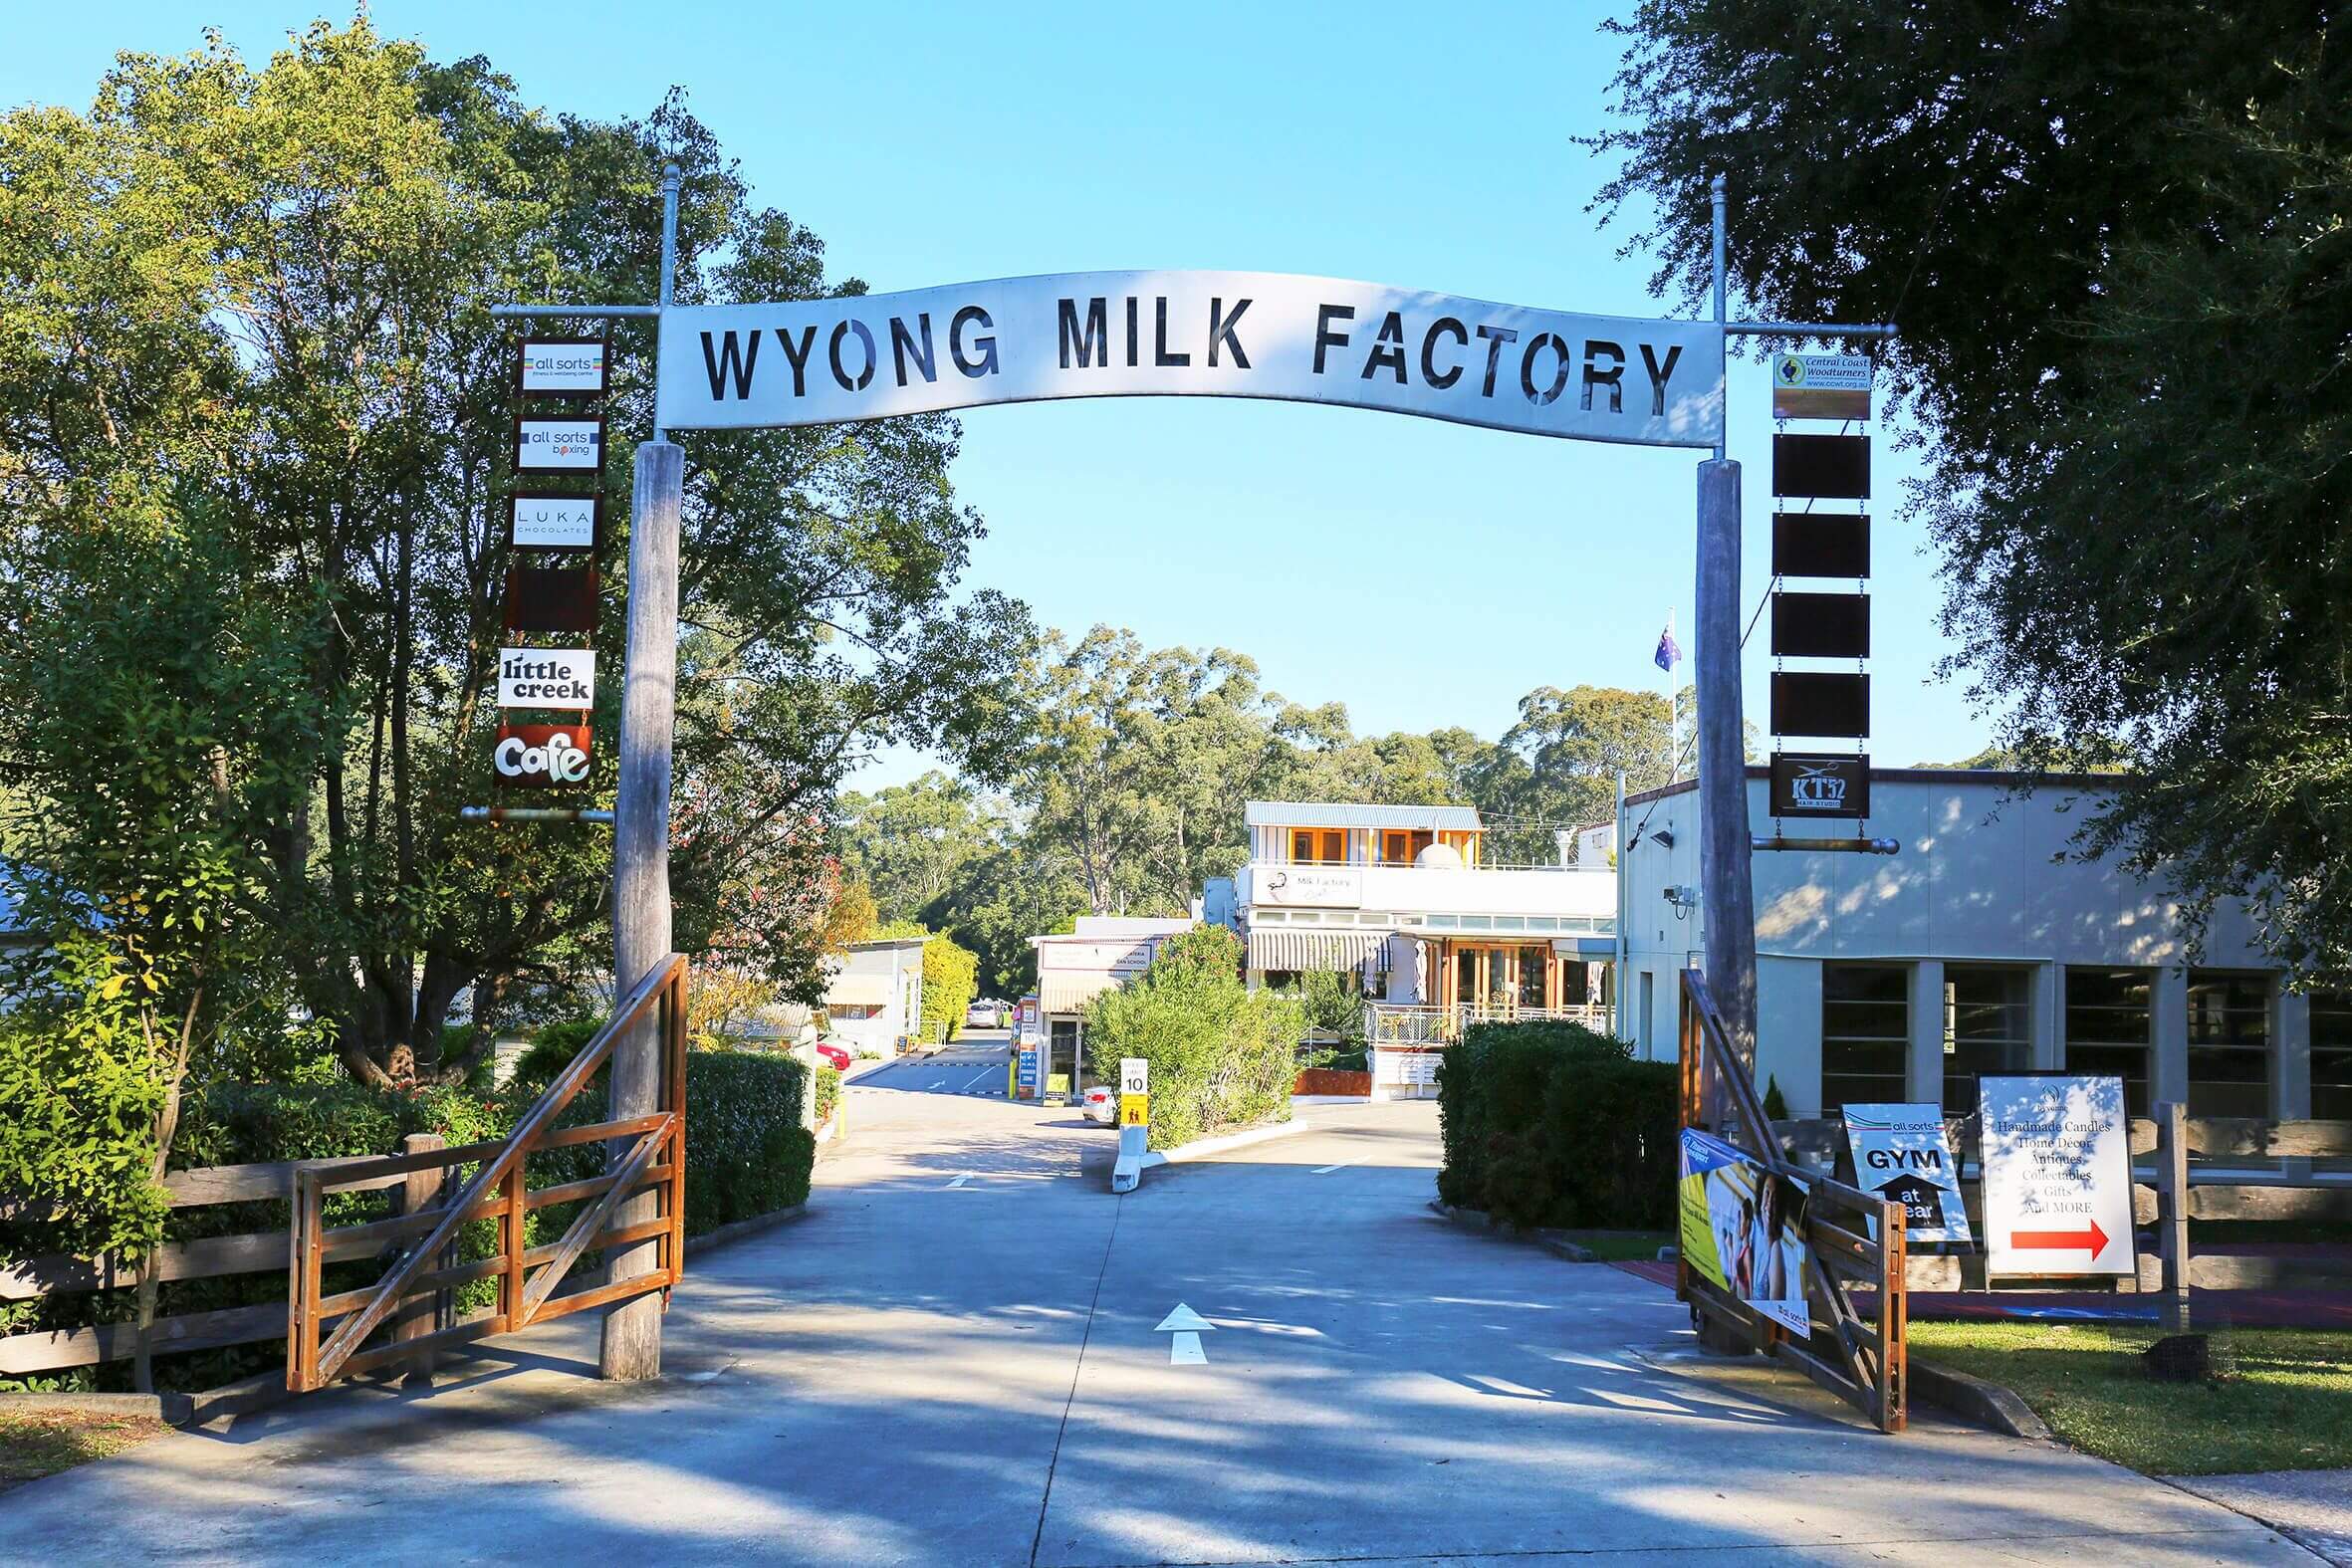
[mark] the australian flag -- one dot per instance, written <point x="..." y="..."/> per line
<point x="1669" y="652"/>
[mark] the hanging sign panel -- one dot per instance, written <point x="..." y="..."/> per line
<point x="1820" y="625"/>
<point x="1901" y="1154"/>
<point x="541" y="521"/>
<point x="1826" y="467"/>
<point x="540" y="598"/>
<point x="547" y="678"/>
<point x="2057" y="1174"/>
<point x="566" y="444"/>
<point x="561" y="367"/>
<point x="1808" y="783"/>
<point x="1193" y="334"/>
<point x="1820" y="545"/>
<point x="1820" y="386"/>
<point x="541" y="755"/>
<point x="1806" y="703"/>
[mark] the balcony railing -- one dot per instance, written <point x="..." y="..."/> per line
<point x="1413" y="1023"/>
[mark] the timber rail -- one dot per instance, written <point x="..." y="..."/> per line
<point x="1852" y="1239"/>
<point x="647" y="1161"/>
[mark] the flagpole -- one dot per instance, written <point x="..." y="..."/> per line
<point x="1673" y="705"/>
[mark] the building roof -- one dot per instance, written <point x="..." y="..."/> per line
<point x="1325" y="814"/>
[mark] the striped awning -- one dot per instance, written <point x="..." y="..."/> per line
<point x="1071" y="992"/>
<point x="1326" y="949"/>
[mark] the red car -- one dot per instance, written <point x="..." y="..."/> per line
<point x="833" y="1056"/>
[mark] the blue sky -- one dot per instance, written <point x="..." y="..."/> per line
<point x="1423" y="574"/>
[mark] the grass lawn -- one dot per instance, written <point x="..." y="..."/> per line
<point x="38" y="1443"/>
<point x="2282" y="1399"/>
<point x="1621" y="1246"/>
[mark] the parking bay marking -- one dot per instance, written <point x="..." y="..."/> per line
<point x="1325" y="1169"/>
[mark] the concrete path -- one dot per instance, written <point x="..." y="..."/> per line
<point x="2313" y="1507"/>
<point x="955" y="1359"/>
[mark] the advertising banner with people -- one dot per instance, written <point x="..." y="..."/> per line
<point x="1743" y="1230"/>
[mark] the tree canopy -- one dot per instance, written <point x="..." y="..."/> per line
<point x="2115" y="240"/>
<point x="244" y="318"/>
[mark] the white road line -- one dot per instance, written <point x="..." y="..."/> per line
<point x="1325" y="1169"/>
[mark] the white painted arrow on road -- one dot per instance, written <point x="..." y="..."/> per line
<point x="1184" y="1350"/>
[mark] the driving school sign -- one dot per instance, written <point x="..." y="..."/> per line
<point x="1193" y="334"/>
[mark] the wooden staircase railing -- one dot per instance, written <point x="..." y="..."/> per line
<point x="1851" y="1237"/>
<point x="648" y="1154"/>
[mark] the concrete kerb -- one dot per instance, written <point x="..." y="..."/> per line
<point x="1127" y="1174"/>
<point x="1550" y="1240"/>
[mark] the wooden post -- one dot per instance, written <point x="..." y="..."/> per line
<point x="518" y="1240"/>
<point x="1727" y="891"/>
<point x="420" y="1316"/>
<point x="2172" y="1210"/>
<point x="640" y="868"/>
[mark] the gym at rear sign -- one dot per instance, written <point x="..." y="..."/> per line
<point x="1193" y="334"/>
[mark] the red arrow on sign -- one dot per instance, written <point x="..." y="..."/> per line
<point x="2093" y="1241"/>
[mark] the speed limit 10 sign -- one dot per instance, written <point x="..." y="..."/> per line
<point x="1134" y="1092"/>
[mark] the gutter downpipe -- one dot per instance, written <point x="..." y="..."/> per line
<point x="1618" y="980"/>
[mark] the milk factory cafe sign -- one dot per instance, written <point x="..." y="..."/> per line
<point x="1193" y="334"/>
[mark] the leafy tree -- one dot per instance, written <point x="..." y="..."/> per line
<point x="1220" y="1055"/>
<point x="1557" y="767"/>
<point x="950" y="980"/>
<point x="908" y="841"/>
<point x="272" y="287"/>
<point x="2114" y="241"/>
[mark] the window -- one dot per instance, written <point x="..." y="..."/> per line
<point x="2332" y="1055"/>
<point x="1318" y="847"/>
<point x="1987" y="1029"/>
<point x="2228" y="1044"/>
<point x="2107" y="1029"/>
<point x="1399" y="847"/>
<point x="1865" y="1034"/>
<point x="1649" y="996"/>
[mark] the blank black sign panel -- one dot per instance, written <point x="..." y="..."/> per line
<point x="1808" y="704"/>
<point x="1821" y="626"/>
<point x="1826" y="467"/>
<point x="1820" y="545"/>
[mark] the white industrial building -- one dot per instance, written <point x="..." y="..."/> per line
<point x="1073" y="968"/>
<point x="874" y="999"/>
<point x="1975" y="949"/>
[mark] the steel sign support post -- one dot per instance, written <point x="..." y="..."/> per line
<point x="1726" y="848"/>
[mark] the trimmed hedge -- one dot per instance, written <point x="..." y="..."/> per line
<point x="747" y="1155"/>
<point x="1554" y="1125"/>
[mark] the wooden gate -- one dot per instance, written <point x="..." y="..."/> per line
<point x="415" y="1292"/>
<point x="1863" y="1363"/>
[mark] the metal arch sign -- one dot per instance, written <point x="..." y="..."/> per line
<point x="1193" y="334"/>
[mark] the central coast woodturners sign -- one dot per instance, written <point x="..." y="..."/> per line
<point x="1193" y="334"/>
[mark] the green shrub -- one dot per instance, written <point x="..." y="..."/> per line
<point x="746" y="1151"/>
<point x="1552" y="1124"/>
<point x="829" y="1094"/>
<point x="552" y="1048"/>
<point x="1220" y="1055"/>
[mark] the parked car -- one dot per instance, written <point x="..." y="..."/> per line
<point x="984" y="1014"/>
<point x="1100" y="1104"/>
<point x="832" y="1056"/>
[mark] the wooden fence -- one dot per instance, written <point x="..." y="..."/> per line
<point x="1852" y="1237"/>
<point x="407" y="1314"/>
<point x="2184" y="1168"/>
<point x="207" y="1257"/>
